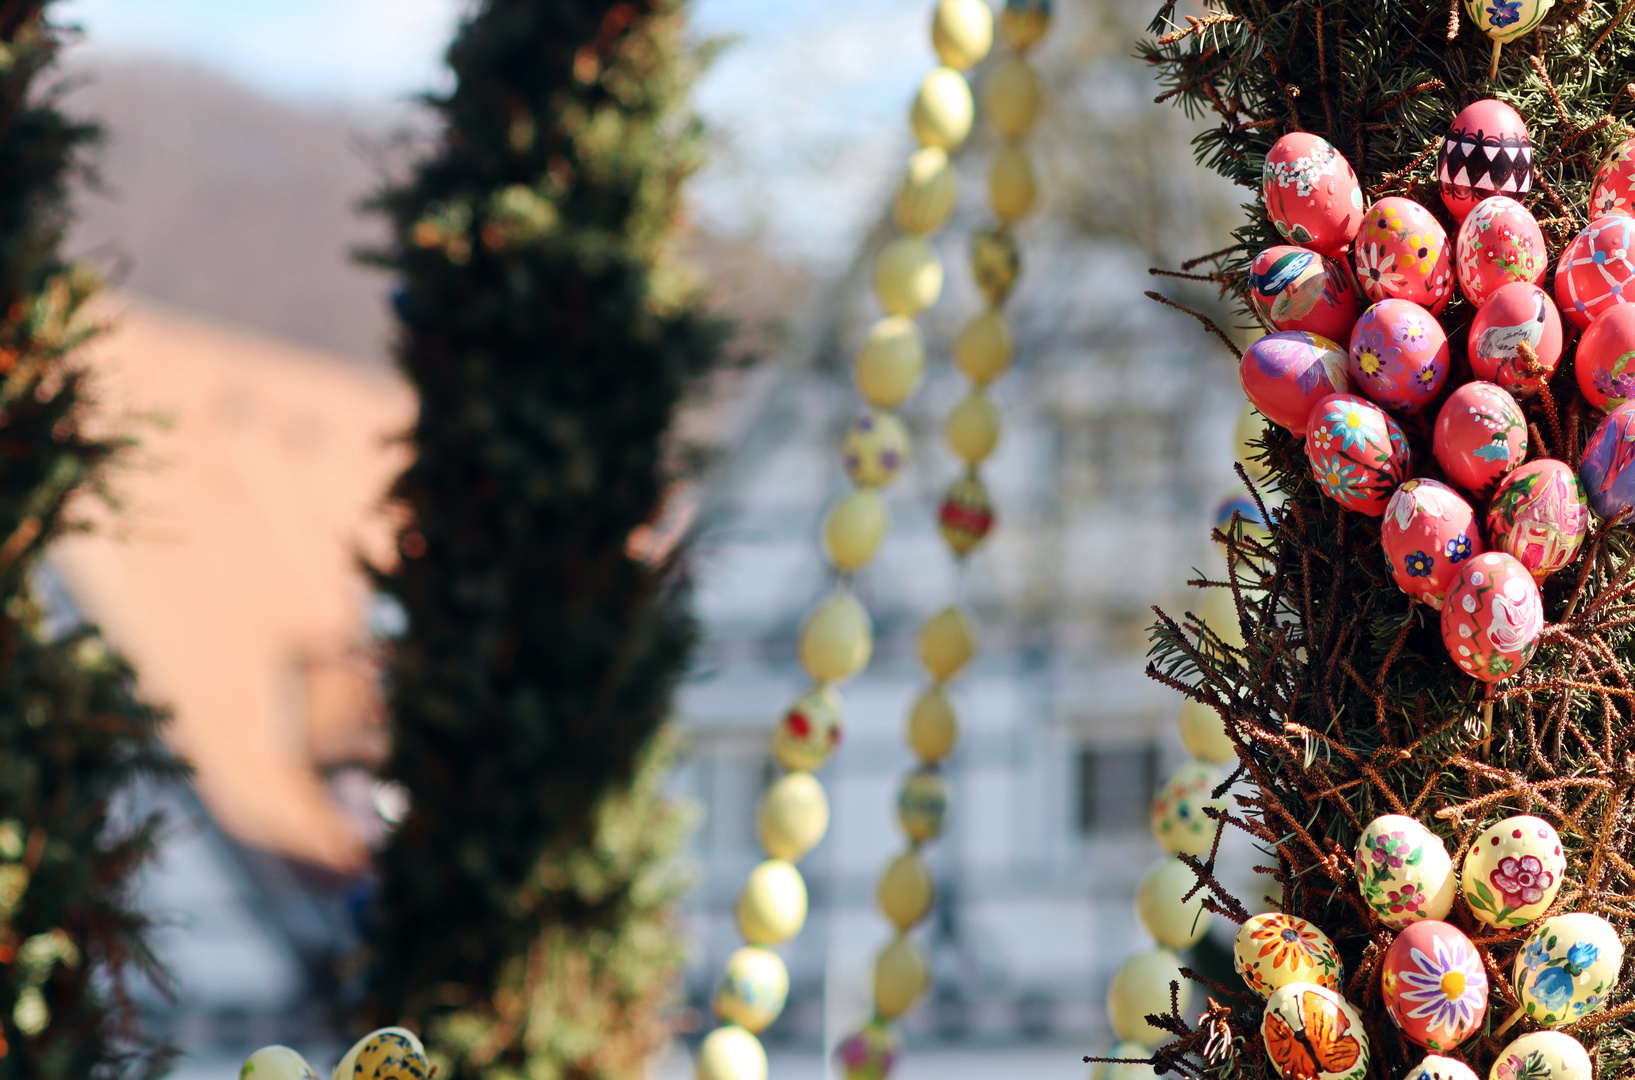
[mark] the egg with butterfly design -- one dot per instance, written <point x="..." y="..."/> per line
<point x="1296" y="289"/>
<point x="1312" y="1033"/>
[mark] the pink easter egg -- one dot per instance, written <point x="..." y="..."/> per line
<point x="1296" y="289"/>
<point x="1486" y="152"/>
<point x="1480" y="435"/>
<point x="1312" y="195"/>
<point x="1614" y="190"/>
<point x="1499" y="243"/>
<point x="1493" y="616"/>
<point x="1515" y="313"/>
<point x="1286" y="373"/>
<point x="1434" y="985"/>
<point x="1540" y="515"/>
<point x="1428" y="531"/>
<point x="1605" y="361"/>
<point x="1398" y="356"/>
<point x="1358" y="454"/>
<point x="1402" y="252"/>
<point x="1594" y="273"/>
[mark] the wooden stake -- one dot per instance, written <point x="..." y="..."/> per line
<point x="1493" y="68"/>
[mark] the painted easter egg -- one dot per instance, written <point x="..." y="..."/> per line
<point x="870" y="1052"/>
<point x="809" y="731"/>
<point x="1434" y="985"/>
<point x="1498" y="243"/>
<point x="1480" y="435"/>
<point x="1398" y="356"/>
<point x="1288" y="372"/>
<point x="1237" y="517"/>
<point x="874" y="448"/>
<point x="1358" y="454"/>
<point x="1436" y="1067"/>
<point x="1312" y="1033"/>
<point x="1542" y="1055"/>
<point x="390" y="1054"/>
<point x="1203" y="733"/>
<point x="922" y="803"/>
<point x="1312" y="195"/>
<point x="1507" y="20"/>
<point x="1513" y="871"/>
<point x="1516" y="314"/>
<point x="1403" y="871"/>
<point x="1402" y="252"/>
<point x="1174" y="920"/>
<point x="1614" y="190"/>
<point x="1178" y="819"/>
<point x="1567" y="968"/>
<point x="1539" y="515"/>
<point x="754" y="989"/>
<point x="276" y="1063"/>
<point x="1296" y="289"/>
<point x="1596" y="269"/>
<point x="1605" y="470"/>
<point x="1605" y="361"/>
<point x="1141" y="988"/>
<point x="1428" y="531"/>
<point x="1493" y="617"/>
<point x="1486" y="152"/>
<point x="1273" y="950"/>
<point x="966" y="515"/>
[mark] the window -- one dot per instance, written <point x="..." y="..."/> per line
<point x="1116" y="785"/>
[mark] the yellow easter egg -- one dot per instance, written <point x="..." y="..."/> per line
<point x="966" y="514"/>
<point x="1179" y="822"/>
<point x="390" y="1054"/>
<point x="1173" y="921"/>
<point x="771" y="908"/>
<point x="1513" y="871"/>
<point x="933" y="729"/>
<point x="730" y="1053"/>
<point x="1251" y="428"/>
<point x="922" y="803"/>
<point x="276" y="1063"/>
<point x="793" y="817"/>
<point x="1273" y="949"/>
<point x="905" y="891"/>
<point x="900" y="977"/>
<point x="875" y="448"/>
<point x="1403" y="871"/>
<point x="947" y="643"/>
<point x="1024" y="22"/>
<point x="1133" y="1067"/>
<point x="854" y="529"/>
<point x="1012" y="188"/>
<point x="753" y="989"/>
<point x="1012" y="96"/>
<point x="1203" y="733"/>
<point x="809" y="730"/>
<point x="983" y="349"/>
<point x="962" y="32"/>
<point x="1219" y="611"/>
<point x="890" y="362"/>
<point x="928" y="193"/>
<point x="837" y="639"/>
<point x="1141" y="988"/>
<point x="907" y="276"/>
<point x="995" y="263"/>
<point x="972" y="428"/>
<point x="943" y="109"/>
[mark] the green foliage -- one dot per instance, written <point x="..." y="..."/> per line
<point x="550" y="338"/>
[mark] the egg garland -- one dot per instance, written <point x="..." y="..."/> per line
<point x="1605" y="469"/>
<point x="1287" y="373"/>
<point x="1605" y="362"/>
<point x="1486" y="152"/>
<point x="1358" y="454"/>
<point x="1427" y="532"/>
<point x="1540" y="515"/>
<point x="1434" y="985"/>
<point x="1499" y="243"/>
<point x="1312" y="1033"/>
<point x="1403" y="871"/>
<point x="1595" y="271"/>
<point x="1567" y="968"/>
<point x="1515" y="340"/>
<point x="1402" y="253"/>
<point x="1493" y="617"/>
<point x="1293" y="288"/>
<point x="1398" y="356"/>
<point x="1480" y="435"/>
<point x="1273" y="950"/>
<point x="1542" y="1055"/>
<point x="966" y="515"/>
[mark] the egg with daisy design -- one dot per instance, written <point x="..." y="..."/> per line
<point x="1358" y="454"/>
<point x="1434" y="985"/>
<point x="1567" y="967"/>
<point x="1493" y="617"/>
<point x="1398" y="356"/>
<point x="1513" y="871"/>
<point x="1614" y="190"/>
<point x="1402" y="252"/>
<point x="1428" y="531"/>
<point x="1274" y="949"/>
<point x="1403" y="871"/>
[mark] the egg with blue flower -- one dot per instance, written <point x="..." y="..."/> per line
<point x="1429" y="530"/>
<point x="1567" y="967"/>
<point x="1507" y="20"/>
<point x="1358" y="454"/>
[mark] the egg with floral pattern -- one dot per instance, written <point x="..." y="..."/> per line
<point x="1486" y="152"/>
<point x="1272" y="950"/>
<point x="1301" y="1016"/>
<point x="1507" y="20"/>
<point x="1403" y="871"/>
<point x="1434" y="985"/>
<point x="1567" y="967"/>
<point x="870" y="1052"/>
<point x="1607" y="469"/>
<point x="1296" y="289"/>
<point x="1480" y="435"/>
<point x="1539" y="514"/>
<point x="875" y="448"/>
<point x="1286" y="373"/>
<point x="1597" y="270"/>
<point x="1402" y="252"/>
<point x="1178" y="819"/>
<point x="1513" y="871"/>
<point x="1516" y="315"/>
<point x="1499" y="243"/>
<point x="1398" y="356"/>
<point x="1436" y="1067"/>
<point x="1312" y="195"/>
<point x="1614" y="190"/>
<point x="1542" y="1055"/>
<point x="1428" y="531"/>
<point x="1358" y="454"/>
<point x="1605" y="361"/>
<point x="1493" y="617"/>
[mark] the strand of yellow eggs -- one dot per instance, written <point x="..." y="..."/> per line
<point x="961" y="32"/>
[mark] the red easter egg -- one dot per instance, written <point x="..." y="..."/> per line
<point x="1398" y="356"/>
<point x="1480" y="435"/>
<point x="1486" y="152"/>
<point x="1596" y="269"/>
<point x="1296" y="289"/>
<point x="1434" y="984"/>
<point x="1499" y="243"/>
<point x="1358" y="454"/>
<point x="1614" y="190"/>
<point x="1401" y="251"/>
<point x="1428" y="531"/>
<point x="1493" y="616"/>
<point x="1311" y="193"/>
<point x="1286" y="373"/>
<point x="1540" y="515"/>
<point x="1515" y="313"/>
<point x="1605" y="363"/>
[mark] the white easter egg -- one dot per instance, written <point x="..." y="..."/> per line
<point x="1513" y="871"/>
<point x="1173" y="921"/>
<point x="1404" y="871"/>
<point x="1567" y="967"/>
<point x="1542" y="1055"/>
<point x="1142" y="988"/>
<point x="1178" y="819"/>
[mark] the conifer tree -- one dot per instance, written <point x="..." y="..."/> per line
<point x="550" y="337"/>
